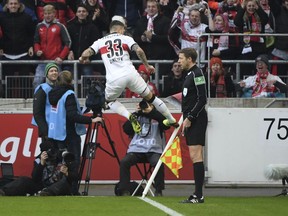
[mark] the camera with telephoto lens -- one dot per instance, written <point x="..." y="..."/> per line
<point x="143" y="105"/>
<point x="95" y="99"/>
<point x="50" y="148"/>
<point x="67" y="158"/>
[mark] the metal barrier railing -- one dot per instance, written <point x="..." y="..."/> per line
<point x="236" y="62"/>
<point x="156" y="79"/>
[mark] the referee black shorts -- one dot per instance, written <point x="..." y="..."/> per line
<point x="195" y="135"/>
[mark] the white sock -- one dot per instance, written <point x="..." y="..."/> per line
<point x="119" y="108"/>
<point x="161" y="107"/>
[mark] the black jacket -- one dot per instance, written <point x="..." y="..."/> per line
<point x="239" y="22"/>
<point x="82" y="35"/>
<point x="281" y="17"/>
<point x="172" y="85"/>
<point x="18" y="32"/>
<point x="230" y="87"/>
<point x="40" y="173"/>
<point x="102" y="22"/>
<point x="194" y="96"/>
<point x="39" y="103"/>
<point x="72" y="115"/>
<point x="159" y="48"/>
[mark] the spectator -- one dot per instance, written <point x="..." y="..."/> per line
<point x="229" y="9"/>
<point x="192" y="29"/>
<point x="280" y="52"/>
<point x="251" y="18"/>
<point x="269" y="27"/>
<point x="167" y="7"/>
<point x="41" y="102"/>
<point x="63" y="10"/>
<point x="263" y="83"/>
<point x="51" y="175"/>
<point x="151" y="33"/>
<point x="223" y="46"/>
<point x="17" y="40"/>
<point x="183" y="9"/>
<point x="146" y="76"/>
<point x="174" y="82"/>
<point x="29" y="8"/>
<point x="98" y="15"/>
<point x="130" y="9"/>
<point x="144" y="147"/>
<point x="83" y="33"/>
<point x="68" y="120"/>
<point x="51" y="42"/>
<point x="221" y="84"/>
<point x="181" y="14"/>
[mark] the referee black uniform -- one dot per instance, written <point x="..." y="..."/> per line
<point x="194" y="99"/>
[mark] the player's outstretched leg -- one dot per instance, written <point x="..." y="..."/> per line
<point x="161" y="107"/>
<point x="119" y="108"/>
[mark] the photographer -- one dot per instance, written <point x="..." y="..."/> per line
<point x="55" y="170"/>
<point x="66" y="120"/>
<point x="51" y="174"/>
<point x="144" y="147"/>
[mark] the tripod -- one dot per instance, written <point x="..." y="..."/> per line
<point x="89" y="151"/>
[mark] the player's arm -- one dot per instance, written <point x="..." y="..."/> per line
<point x="84" y="58"/>
<point x="142" y="56"/>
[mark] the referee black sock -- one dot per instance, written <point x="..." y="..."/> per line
<point x="199" y="174"/>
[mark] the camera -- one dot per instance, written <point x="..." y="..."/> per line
<point x="67" y="158"/>
<point x="50" y="148"/>
<point x="95" y="99"/>
<point x="143" y="105"/>
<point x="52" y="154"/>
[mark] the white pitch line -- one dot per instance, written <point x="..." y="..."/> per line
<point x="161" y="207"/>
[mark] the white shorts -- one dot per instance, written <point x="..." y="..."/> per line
<point x="133" y="81"/>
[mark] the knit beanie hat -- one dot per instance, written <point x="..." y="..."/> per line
<point x="142" y="69"/>
<point x="215" y="60"/>
<point x="264" y="59"/>
<point x="49" y="66"/>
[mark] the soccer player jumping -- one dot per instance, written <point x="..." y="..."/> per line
<point x="121" y="73"/>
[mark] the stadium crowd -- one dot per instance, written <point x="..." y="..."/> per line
<point x="30" y="31"/>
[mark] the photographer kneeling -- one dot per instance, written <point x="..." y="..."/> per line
<point x="51" y="175"/>
<point x="55" y="169"/>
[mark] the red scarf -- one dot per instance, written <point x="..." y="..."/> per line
<point x="261" y="84"/>
<point x="220" y="85"/>
<point x="255" y="28"/>
<point x="252" y="27"/>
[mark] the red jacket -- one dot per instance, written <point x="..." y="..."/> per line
<point x="54" y="41"/>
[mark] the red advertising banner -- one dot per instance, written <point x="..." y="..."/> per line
<point x="19" y="145"/>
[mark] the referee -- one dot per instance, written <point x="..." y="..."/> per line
<point x="194" y="99"/>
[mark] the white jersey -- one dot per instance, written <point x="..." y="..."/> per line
<point x="114" y="49"/>
<point x="190" y="36"/>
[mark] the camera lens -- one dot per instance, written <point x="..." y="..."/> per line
<point x="143" y="105"/>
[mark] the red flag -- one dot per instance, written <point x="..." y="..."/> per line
<point x="172" y="157"/>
